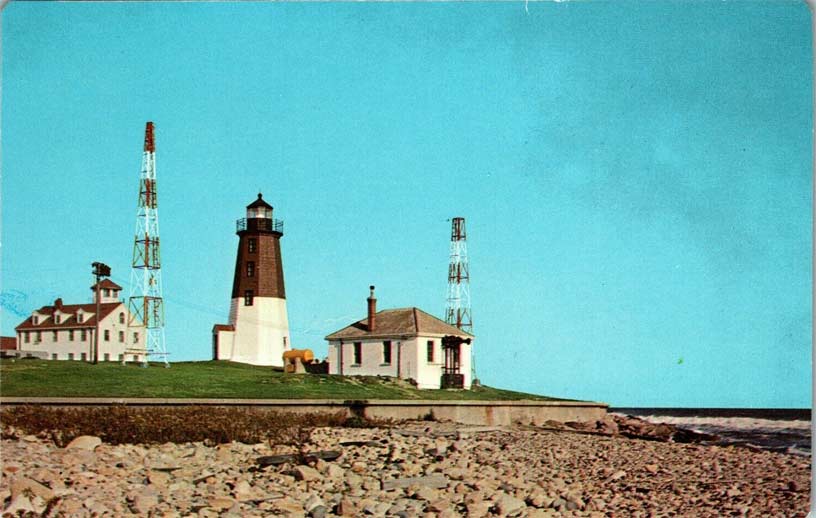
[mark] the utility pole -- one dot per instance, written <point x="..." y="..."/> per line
<point x="99" y="270"/>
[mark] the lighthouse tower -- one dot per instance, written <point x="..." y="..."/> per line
<point x="258" y="329"/>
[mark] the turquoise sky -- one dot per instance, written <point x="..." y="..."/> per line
<point x="636" y="176"/>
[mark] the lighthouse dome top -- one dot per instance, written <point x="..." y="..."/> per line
<point x="259" y="208"/>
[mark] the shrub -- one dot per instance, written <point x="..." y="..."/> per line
<point x="127" y="424"/>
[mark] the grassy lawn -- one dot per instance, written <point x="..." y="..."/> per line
<point x="212" y="379"/>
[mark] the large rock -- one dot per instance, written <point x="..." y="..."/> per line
<point x="21" y="485"/>
<point x="84" y="442"/>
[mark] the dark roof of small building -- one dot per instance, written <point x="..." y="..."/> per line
<point x="398" y="322"/>
<point x="259" y="203"/>
<point x="107" y="283"/>
<point x="223" y="327"/>
<point x="70" y="320"/>
<point x="8" y="343"/>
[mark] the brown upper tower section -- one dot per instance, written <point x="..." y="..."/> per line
<point x="372" y="311"/>
<point x="150" y="142"/>
<point x="258" y="266"/>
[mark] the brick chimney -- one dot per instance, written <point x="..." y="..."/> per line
<point x="372" y="310"/>
<point x="58" y="303"/>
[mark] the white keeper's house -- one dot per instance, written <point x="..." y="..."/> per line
<point x="406" y="343"/>
<point x="66" y="331"/>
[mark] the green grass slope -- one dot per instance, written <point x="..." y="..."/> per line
<point x="212" y="379"/>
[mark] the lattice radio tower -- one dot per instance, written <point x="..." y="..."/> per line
<point x="146" y="304"/>
<point x="457" y="312"/>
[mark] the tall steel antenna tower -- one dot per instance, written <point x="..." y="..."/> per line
<point x="457" y="312"/>
<point x="146" y="304"/>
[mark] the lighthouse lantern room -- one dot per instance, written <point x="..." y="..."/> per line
<point x="258" y="329"/>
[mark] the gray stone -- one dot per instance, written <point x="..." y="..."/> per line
<point x="478" y="509"/>
<point x="424" y="493"/>
<point x="306" y="473"/>
<point x="616" y="475"/>
<point x="435" y="481"/>
<point x="143" y="504"/>
<point x="347" y="507"/>
<point x="313" y="501"/>
<point x="335" y="472"/>
<point x="506" y="504"/>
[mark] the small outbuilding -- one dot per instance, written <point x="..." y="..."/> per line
<point x="405" y="343"/>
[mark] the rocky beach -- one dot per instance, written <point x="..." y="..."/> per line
<point x="619" y="467"/>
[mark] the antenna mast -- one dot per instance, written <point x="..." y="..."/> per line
<point x="458" y="307"/>
<point x="146" y="304"/>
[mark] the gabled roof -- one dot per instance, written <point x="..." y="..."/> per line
<point x="70" y="321"/>
<point x="398" y="322"/>
<point x="259" y="203"/>
<point x="107" y="283"/>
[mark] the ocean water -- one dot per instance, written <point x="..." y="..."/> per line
<point x="783" y="430"/>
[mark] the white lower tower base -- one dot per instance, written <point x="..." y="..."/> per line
<point x="261" y="332"/>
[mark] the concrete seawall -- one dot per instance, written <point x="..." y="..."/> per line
<point x="466" y="412"/>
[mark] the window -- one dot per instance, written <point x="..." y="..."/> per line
<point x="79" y="317"/>
<point x="252" y="245"/>
<point x="70" y="356"/>
<point x="56" y="319"/>
<point x="38" y="337"/>
<point x="54" y="336"/>
<point x="107" y="357"/>
<point x="107" y="335"/>
<point x="121" y="318"/>
<point x="54" y="356"/>
<point x="83" y="335"/>
<point x="284" y="342"/>
<point x="107" y="292"/>
<point x="248" y="296"/>
<point x="84" y="356"/>
<point x="70" y="335"/>
<point x="135" y="338"/>
<point x="35" y="320"/>
<point x="122" y="336"/>
<point x="26" y="337"/>
<point x="121" y="357"/>
<point x="387" y="352"/>
<point x="358" y="353"/>
<point x="250" y="269"/>
<point x="430" y="351"/>
<point x="135" y="357"/>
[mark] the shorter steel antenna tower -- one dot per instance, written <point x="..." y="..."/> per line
<point x="457" y="312"/>
<point x="146" y="304"/>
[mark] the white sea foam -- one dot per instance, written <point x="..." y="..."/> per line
<point x="735" y="423"/>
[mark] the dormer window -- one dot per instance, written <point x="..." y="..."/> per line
<point x="35" y="320"/>
<point x="56" y="319"/>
